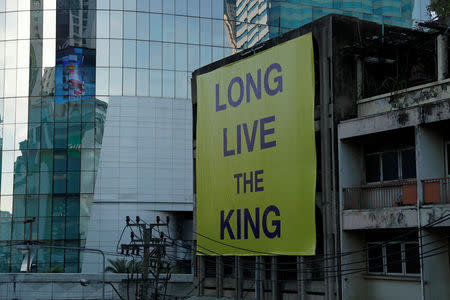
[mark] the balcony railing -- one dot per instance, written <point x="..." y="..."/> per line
<point x="436" y="190"/>
<point x="381" y="195"/>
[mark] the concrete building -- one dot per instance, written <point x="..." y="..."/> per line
<point x="393" y="158"/>
<point x="381" y="197"/>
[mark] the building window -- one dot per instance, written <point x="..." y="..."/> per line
<point x="390" y="165"/>
<point x="393" y="258"/>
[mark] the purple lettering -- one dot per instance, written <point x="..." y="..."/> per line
<point x="277" y="79"/>
<point x="226" y="224"/>
<point x="238" y="223"/>
<point x="250" y="141"/>
<point x="276" y="223"/>
<point x="238" y="139"/>
<point x="241" y="91"/>
<point x="248" y="221"/>
<point x="258" y="180"/>
<point x="248" y="181"/>
<point x="256" y="88"/>
<point x="218" y="106"/>
<point x="226" y="152"/>
<point x="264" y="132"/>
<point x="237" y="176"/>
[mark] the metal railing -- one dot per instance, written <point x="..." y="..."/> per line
<point x="383" y="195"/>
<point x="436" y="190"/>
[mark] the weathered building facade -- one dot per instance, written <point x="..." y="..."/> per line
<point x="381" y="113"/>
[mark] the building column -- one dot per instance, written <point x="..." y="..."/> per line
<point x="300" y="278"/>
<point x="274" y="278"/>
<point x="219" y="276"/>
<point x="201" y="274"/>
<point x="359" y="78"/>
<point x="238" y="276"/>
<point x="442" y="56"/>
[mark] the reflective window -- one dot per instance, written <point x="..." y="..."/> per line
<point x="129" y="5"/>
<point x="129" y="82"/>
<point x="155" y="27"/>
<point x="181" y="57"/>
<point x="116" y="53"/>
<point x="168" y="28"/>
<point x="143" y="23"/>
<point x="129" y="19"/>
<point x="181" y="27"/>
<point x="169" y="56"/>
<point x="142" y="54"/>
<point x="155" y="55"/>
<point x="142" y="84"/>
<point x="129" y="48"/>
<point x="116" y="21"/>
<point x="156" y="5"/>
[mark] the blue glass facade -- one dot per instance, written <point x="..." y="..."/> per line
<point x="259" y="20"/>
<point x="51" y="128"/>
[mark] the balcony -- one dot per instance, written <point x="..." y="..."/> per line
<point x="436" y="191"/>
<point x="392" y="194"/>
<point x="413" y="96"/>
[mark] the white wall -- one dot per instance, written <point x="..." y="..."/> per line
<point x="145" y="168"/>
<point x="378" y="289"/>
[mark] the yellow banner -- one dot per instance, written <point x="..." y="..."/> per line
<point x="256" y="157"/>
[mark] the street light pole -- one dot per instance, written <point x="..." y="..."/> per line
<point x="37" y="247"/>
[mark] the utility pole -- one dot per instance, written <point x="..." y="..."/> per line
<point x="154" y="251"/>
<point x="145" y="261"/>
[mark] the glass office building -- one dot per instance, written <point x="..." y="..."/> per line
<point x="258" y="20"/>
<point x="96" y="117"/>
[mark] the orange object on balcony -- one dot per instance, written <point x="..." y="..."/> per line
<point x="409" y="194"/>
<point x="431" y="192"/>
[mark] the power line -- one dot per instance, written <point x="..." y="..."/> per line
<point x="322" y="259"/>
<point x="333" y="256"/>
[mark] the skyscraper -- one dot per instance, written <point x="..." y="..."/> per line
<point x="259" y="20"/>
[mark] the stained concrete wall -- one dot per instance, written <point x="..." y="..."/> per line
<point x="436" y="265"/>
<point x="430" y="152"/>
<point x="391" y="289"/>
<point x="381" y="218"/>
<point x="354" y="287"/>
<point x="414" y="96"/>
<point x="350" y="174"/>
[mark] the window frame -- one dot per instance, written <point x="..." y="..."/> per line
<point x="398" y="151"/>
<point x="384" y="254"/>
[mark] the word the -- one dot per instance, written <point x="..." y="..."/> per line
<point x="249" y="181"/>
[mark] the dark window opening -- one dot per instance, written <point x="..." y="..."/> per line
<point x="394" y="258"/>
<point x="412" y="258"/>
<point x="390" y="166"/>
<point x="372" y="168"/>
<point x="408" y="163"/>
<point x="375" y="259"/>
